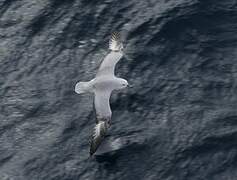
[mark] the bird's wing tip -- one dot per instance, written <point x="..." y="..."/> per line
<point x="115" y="43"/>
<point x="98" y="135"/>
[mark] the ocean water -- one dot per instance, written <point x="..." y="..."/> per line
<point x="178" y="122"/>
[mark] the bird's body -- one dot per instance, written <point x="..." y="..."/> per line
<point x="107" y="83"/>
<point x="102" y="86"/>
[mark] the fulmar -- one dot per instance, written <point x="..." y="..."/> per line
<point x="102" y="86"/>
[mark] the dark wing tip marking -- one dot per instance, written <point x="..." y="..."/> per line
<point x="97" y="136"/>
<point x="115" y="36"/>
<point x="115" y="41"/>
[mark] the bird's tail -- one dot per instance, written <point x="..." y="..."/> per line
<point x="115" y="43"/>
<point x="82" y="87"/>
<point x="98" y="135"/>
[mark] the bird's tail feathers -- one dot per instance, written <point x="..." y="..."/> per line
<point x="98" y="135"/>
<point x="82" y="87"/>
<point x="115" y="43"/>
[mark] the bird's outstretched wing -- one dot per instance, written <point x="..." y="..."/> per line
<point x="103" y="116"/>
<point x="101" y="104"/>
<point x="108" y="65"/>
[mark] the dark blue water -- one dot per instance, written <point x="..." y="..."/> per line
<point x="179" y="121"/>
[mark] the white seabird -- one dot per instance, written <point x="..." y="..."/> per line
<point x="102" y="86"/>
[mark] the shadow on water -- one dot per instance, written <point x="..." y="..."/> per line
<point x="110" y="158"/>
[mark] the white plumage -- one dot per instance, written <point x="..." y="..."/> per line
<point x="102" y="86"/>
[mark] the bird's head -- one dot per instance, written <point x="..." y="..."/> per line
<point x="123" y="83"/>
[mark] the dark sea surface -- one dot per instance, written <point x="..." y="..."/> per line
<point x="178" y="122"/>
